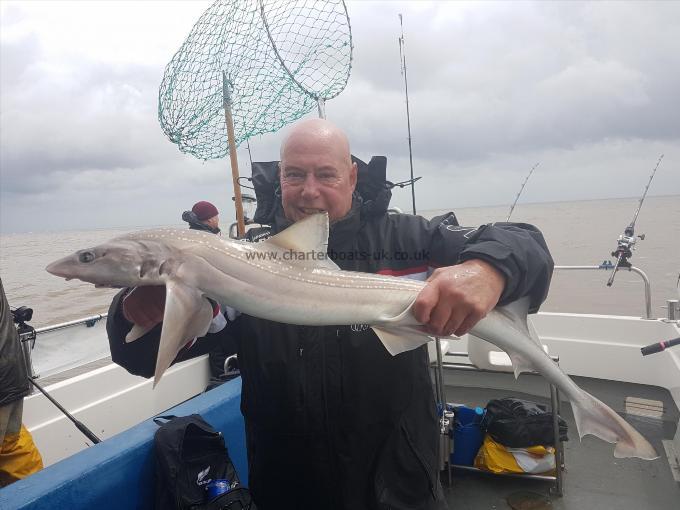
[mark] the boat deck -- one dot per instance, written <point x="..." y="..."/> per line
<point x="594" y="478"/>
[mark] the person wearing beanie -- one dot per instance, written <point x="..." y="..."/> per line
<point x="203" y="216"/>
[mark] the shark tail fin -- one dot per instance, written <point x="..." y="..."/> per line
<point x="594" y="417"/>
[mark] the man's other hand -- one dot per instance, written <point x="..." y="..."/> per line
<point x="145" y="306"/>
<point x="457" y="297"/>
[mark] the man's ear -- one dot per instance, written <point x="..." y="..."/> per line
<point x="353" y="175"/>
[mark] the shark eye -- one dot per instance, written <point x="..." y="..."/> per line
<point x="86" y="256"/>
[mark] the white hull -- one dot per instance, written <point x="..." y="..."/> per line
<point x="109" y="400"/>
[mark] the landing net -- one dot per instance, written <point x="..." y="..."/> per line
<point x="281" y="59"/>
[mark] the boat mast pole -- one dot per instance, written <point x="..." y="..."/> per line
<point x="512" y="207"/>
<point x="402" y="59"/>
<point x="226" y="100"/>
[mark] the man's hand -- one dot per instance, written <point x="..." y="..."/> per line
<point x="457" y="297"/>
<point x="145" y="306"/>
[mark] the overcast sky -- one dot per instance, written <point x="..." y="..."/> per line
<point x="589" y="90"/>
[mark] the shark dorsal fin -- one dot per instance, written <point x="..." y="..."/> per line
<point x="309" y="235"/>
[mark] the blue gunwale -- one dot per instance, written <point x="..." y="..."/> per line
<point x="118" y="473"/>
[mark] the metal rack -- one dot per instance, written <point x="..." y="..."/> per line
<point x="558" y="479"/>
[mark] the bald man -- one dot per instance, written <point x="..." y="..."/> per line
<point x="333" y="421"/>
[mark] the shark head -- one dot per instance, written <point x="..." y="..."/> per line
<point x="117" y="263"/>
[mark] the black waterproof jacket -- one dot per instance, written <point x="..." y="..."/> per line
<point x="13" y="373"/>
<point x="332" y="420"/>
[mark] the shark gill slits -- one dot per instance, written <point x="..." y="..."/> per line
<point x="163" y="268"/>
<point x="146" y="266"/>
<point x="86" y="256"/>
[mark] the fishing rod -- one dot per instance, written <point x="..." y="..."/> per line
<point x="402" y="60"/>
<point x="512" y="207"/>
<point x="626" y="241"/>
<point x="79" y="425"/>
<point x="659" y="346"/>
<point x="27" y="334"/>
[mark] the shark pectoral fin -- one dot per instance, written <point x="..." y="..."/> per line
<point x="397" y="341"/>
<point x="187" y="315"/>
<point x="137" y="332"/>
<point x="306" y="236"/>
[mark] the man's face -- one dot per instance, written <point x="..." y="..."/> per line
<point x="316" y="176"/>
<point x="213" y="222"/>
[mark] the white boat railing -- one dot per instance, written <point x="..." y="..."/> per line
<point x="57" y="348"/>
<point x="88" y="321"/>
<point x="609" y="267"/>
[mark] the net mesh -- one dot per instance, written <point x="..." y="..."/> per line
<point x="280" y="58"/>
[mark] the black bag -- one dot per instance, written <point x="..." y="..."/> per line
<point x="189" y="455"/>
<point x="519" y="423"/>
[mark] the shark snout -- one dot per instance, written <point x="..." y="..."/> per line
<point x="61" y="268"/>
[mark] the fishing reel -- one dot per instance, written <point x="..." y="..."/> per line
<point x="27" y="335"/>
<point x="20" y="316"/>
<point x="624" y="250"/>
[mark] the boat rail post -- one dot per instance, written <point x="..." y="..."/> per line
<point x="558" y="488"/>
<point x="673" y="306"/>
<point x="27" y="338"/>
<point x="441" y="400"/>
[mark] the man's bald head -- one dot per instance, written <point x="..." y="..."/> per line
<point x="314" y="133"/>
<point x="317" y="173"/>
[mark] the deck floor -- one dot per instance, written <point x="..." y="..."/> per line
<point x="594" y="478"/>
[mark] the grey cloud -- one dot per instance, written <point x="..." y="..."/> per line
<point x="520" y="77"/>
<point x="587" y="89"/>
<point x="79" y="116"/>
